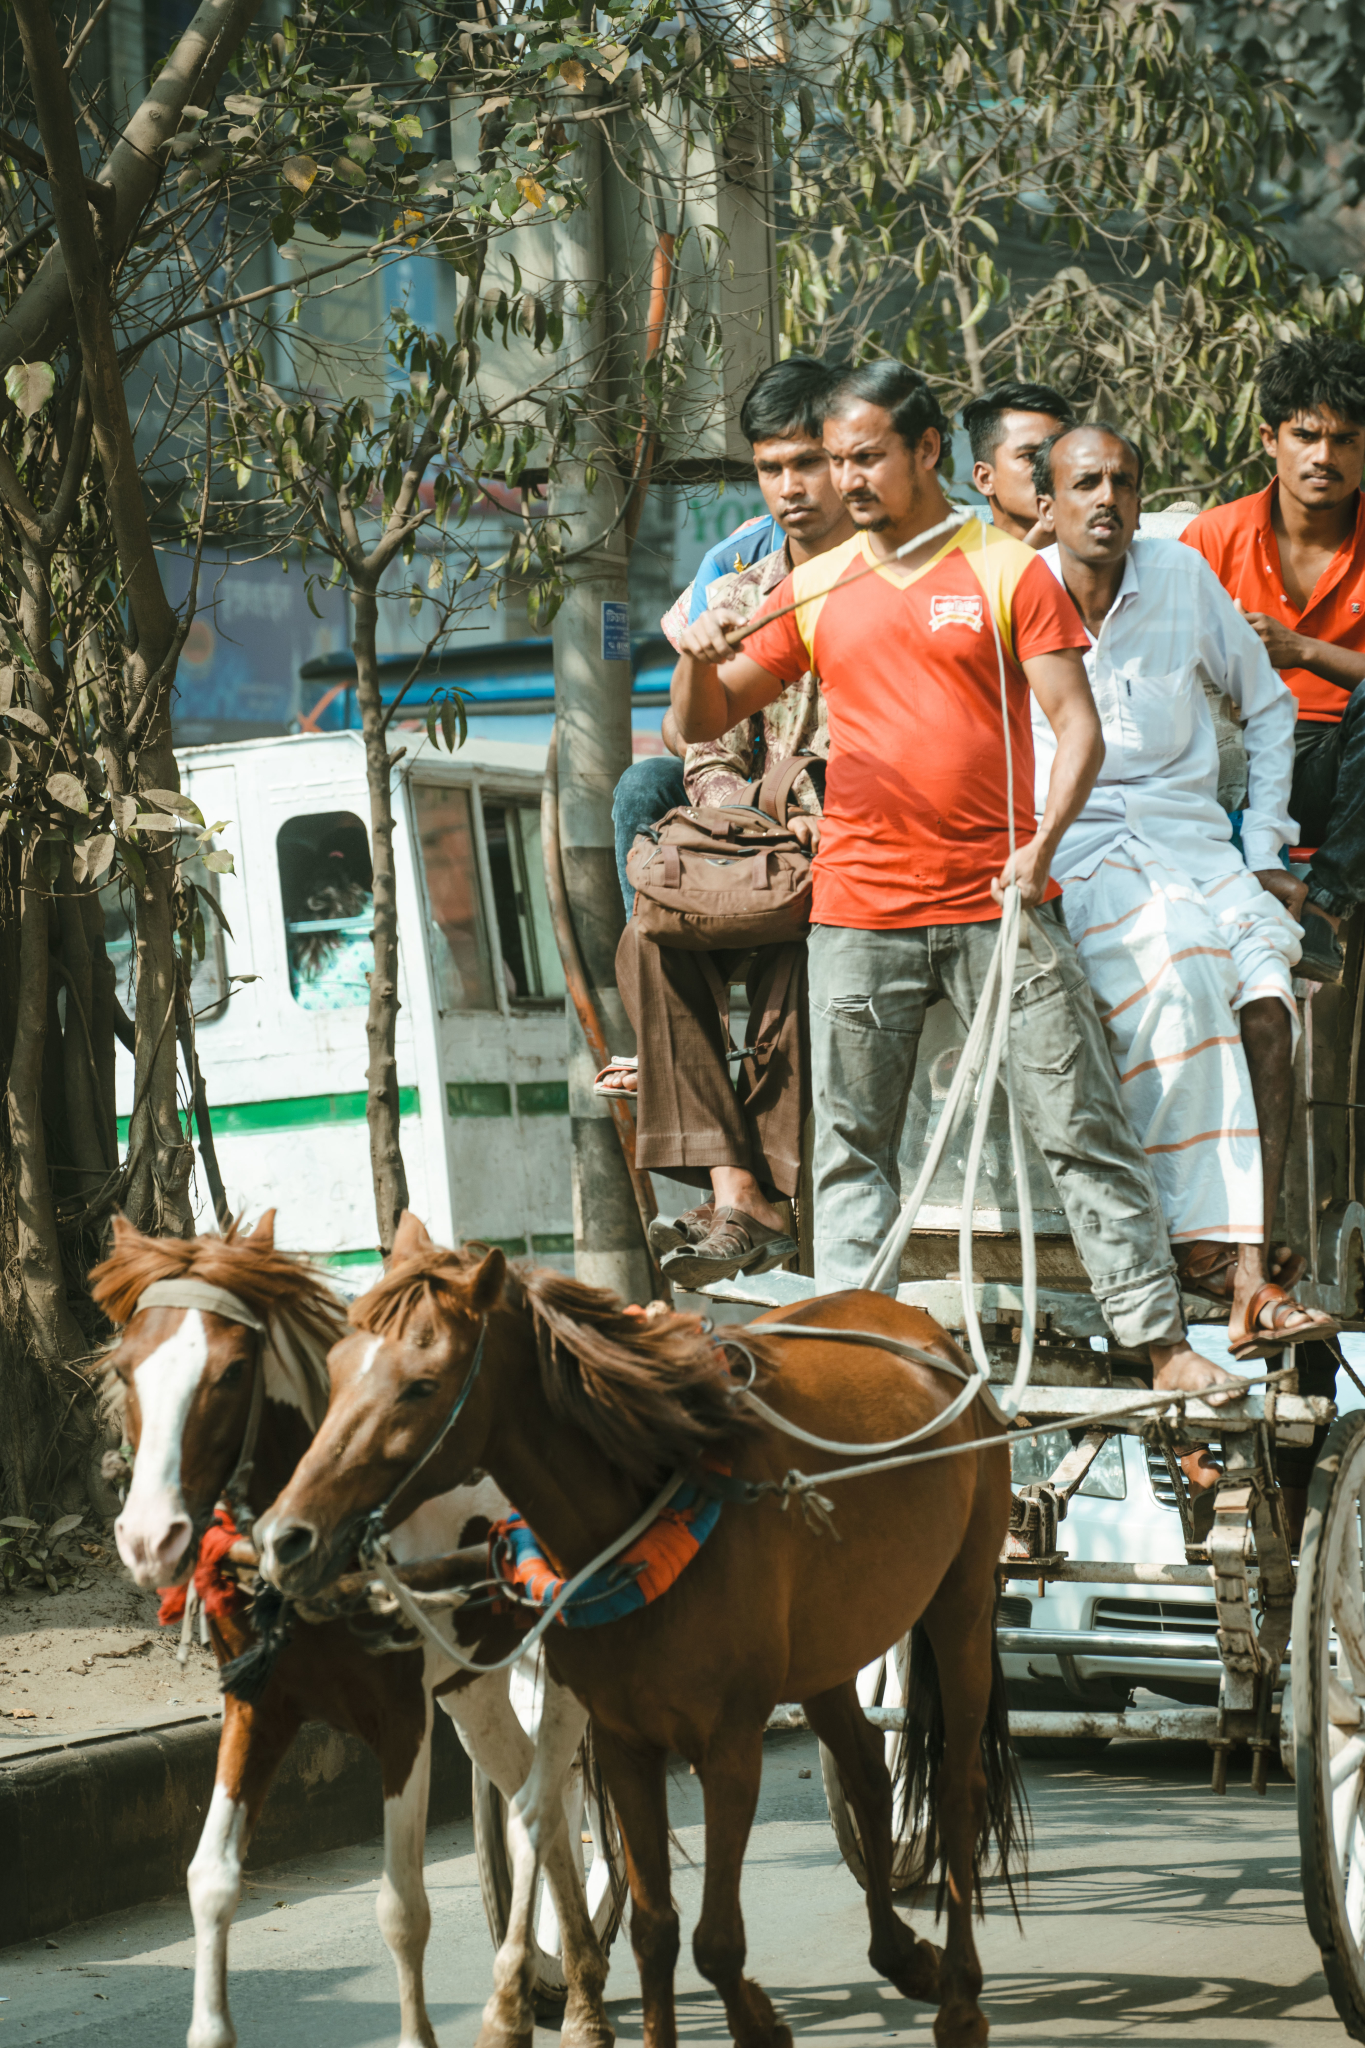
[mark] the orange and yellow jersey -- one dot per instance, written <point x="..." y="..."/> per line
<point x="915" y="820"/>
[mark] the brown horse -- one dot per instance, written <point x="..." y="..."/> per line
<point x="580" y="1410"/>
<point x="221" y="1389"/>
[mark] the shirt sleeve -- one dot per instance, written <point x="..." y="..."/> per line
<point x="1232" y="653"/>
<point x="1043" y="620"/>
<point x="678" y="615"/>
<point x="737" y="551"/>
<point x="779" y="647"/>
<point x="720" y="771"/>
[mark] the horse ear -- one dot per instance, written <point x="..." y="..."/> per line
<point x="485" y="1289"/>
<point x="410" y="1240"/>
<point x="125" y="1234"/>
<point x="264" y="1233"/>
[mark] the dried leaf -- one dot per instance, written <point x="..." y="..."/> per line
<point x="93" y="856"/>
<point x="69" y="792"/>
<point x="573" y="74"/>
<point x="244" y="104"/>
<point x="23" y="716"/>
<point x="299" y="171"/>
<point x="29" y="386"/>
<point x="171" y="800"/>
<point x="531" y="190"/>
<point x="124" y="809"/>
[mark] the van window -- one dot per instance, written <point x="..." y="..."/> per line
<point x="531" y="964"/>
<point x="208" y="977"/>
<point x="327" y="888"/>
<point x="458" y="930"/>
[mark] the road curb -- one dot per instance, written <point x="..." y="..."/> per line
<point x="105" y="1821"/>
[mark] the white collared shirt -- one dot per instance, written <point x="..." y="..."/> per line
<point x="1171" y="629"/>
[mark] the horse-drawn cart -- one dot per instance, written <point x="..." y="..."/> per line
<point x="1287" y="1655"/>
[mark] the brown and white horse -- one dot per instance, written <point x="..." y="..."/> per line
<point x="581" y="1411"/>
<point x="220" y="1369"/>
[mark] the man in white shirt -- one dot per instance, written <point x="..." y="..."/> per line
<point x="1187" y="943"/>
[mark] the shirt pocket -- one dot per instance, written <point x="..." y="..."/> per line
<point x="1154" y="721"/>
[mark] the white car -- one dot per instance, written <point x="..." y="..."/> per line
<point x="1125" y="1509"/>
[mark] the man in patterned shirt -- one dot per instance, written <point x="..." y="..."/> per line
<point x="691" y="1123"/>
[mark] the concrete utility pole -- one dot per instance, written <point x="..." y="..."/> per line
<point x="592" y="709"/>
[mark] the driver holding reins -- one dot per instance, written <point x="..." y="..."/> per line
<point x="914" y="848"/>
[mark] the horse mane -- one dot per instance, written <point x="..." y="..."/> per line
<point x="301" y="1313"/>
<point x="652" y="1392"/>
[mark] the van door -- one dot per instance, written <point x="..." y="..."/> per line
<point x="499" y="999"/>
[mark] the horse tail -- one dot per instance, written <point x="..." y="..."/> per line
<point x="919" y="1766"/>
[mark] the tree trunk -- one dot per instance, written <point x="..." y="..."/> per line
<point x="381" y="1024"/>
<point x="54" y="1329"/>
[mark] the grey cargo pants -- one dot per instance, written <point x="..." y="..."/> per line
<point x="869" y="991"/>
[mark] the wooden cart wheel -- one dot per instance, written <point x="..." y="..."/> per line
<point x="592" y="1830"/>
<point x="881" y="1684"/>
<point x="1328" y="1680"/>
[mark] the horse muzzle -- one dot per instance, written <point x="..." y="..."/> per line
<point x="152" y="1539"/>
<point x="293" y="1555"/>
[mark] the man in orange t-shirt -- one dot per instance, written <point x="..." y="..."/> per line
<point x="914" y="849"/>
<point x="1293" y="558"/>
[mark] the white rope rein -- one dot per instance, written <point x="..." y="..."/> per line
<point x="986" y="1052"/>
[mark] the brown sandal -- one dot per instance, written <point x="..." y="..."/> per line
<point x="665" y="1234"/>
<point x="734" y="1244"/>
<point x="1269" y="1296"/>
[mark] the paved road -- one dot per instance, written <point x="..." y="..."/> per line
<point x="1157" y="1914"/>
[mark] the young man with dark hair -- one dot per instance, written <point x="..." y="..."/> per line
<point x="1293" y="558"/>
<point x="1188" y="945"/>
<point x="914" y="846"/>
<point x="780" y="419"/>
<point x="741" y="1144"/>
<point x="1007" y="427"/>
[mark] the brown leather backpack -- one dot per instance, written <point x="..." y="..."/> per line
<point x="725" y="875"/>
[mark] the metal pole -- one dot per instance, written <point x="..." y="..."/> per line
<point x="592" y="712"/>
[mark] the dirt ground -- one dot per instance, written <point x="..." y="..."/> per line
<point x="92" y="1656"/>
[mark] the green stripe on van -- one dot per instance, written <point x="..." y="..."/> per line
<point x="552" y="1241"/>
<point x="543" y="1098"/>
<point x="293" y="1113"/>
<point x="478" y="1098"/>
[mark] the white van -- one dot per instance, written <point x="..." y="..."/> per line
<point x="280" y="995"/>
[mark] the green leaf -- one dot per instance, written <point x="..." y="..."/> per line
<point x="219" y="862"/>
<point x="16" y="1522"/>
<point x="63" y="1526"/>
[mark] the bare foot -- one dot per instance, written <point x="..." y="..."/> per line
<point x="1180" y="1369"/>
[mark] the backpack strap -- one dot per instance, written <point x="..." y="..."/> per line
<point x="771" y="795"/>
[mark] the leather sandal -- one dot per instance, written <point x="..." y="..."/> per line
<point x="666" y="1234"/>
<point x="1207" y="1267"/>
<point x="1260" y="1342"/>
<point x="620" y="1076"/>
<point x="734" y="1244"/>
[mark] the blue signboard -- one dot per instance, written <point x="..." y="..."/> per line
<point x="615" y="631"/>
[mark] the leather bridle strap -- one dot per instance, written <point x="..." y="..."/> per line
<point x="220" y="1301"/>
<point x="376" y="1522"/>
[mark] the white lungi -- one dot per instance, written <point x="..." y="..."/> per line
<point x="1171" y="964"/>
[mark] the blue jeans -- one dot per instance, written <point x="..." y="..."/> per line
<point x="869" y="991"/>
<point x="646" y="790"/>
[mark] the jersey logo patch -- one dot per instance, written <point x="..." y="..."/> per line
<point x="955" y="611"/>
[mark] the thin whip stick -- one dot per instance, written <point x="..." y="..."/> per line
<point x="957" y="517"/>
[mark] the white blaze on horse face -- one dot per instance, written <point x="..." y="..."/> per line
<point x="154" y="1528"/>
<point x="371" y="1353"/>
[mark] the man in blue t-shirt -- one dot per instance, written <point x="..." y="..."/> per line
<point x="654" y="785"/>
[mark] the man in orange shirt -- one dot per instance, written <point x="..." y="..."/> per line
<point x="914" y="846"/>
<point x="1293" y="558"/>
